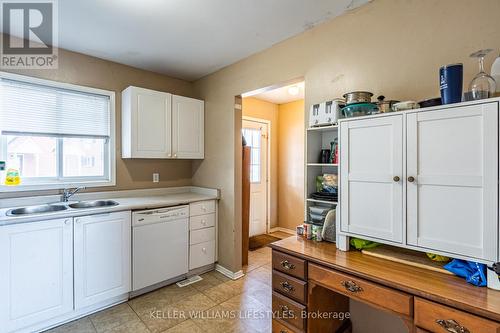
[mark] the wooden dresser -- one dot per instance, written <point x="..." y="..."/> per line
<point x="313" y="283"/>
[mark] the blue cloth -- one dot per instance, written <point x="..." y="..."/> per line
<point x="473" y="272"/>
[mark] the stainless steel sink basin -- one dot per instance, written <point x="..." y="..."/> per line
<point x="35" y="210"/>
<point x="93" y="204"/>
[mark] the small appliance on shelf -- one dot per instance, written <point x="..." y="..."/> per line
<point x="326" y="113"/>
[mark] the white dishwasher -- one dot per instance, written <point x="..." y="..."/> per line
<point x="160" y="244"/>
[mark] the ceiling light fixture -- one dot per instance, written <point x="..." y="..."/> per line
<point x="293" y="90"/>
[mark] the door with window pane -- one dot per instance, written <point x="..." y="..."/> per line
<point x="256" y="134"/>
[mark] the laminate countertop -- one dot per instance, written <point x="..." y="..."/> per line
<point x="438" y="287"/>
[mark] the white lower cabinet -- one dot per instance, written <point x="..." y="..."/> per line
<point x="201" y="254"/>
<point x="202" y="233"/>
<point x="102" y="257"/>
<point x="36" y="279"/>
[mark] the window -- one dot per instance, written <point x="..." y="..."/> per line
<point x="57" y="135"/>
<point x="253" y="139"/>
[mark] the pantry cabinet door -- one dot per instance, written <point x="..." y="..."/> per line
<point x="453" y="200"/>
<point x="371" y="178"/>
<point x="102" y="257"/>
<point x="36" y="274"/>
<point x="188" y="128"/>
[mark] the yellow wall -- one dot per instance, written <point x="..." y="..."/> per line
<point x="389" y="47"/>
<point x="256" y="108"/>
<point x="291" y="164"/>
<point x="84" y="70"/>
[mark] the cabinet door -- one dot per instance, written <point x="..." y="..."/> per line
<point x="102" y="257"/>
<point x="371" y="174"/>
<point x="151" y="123"/>
<point x="36" y="279"/>
<point x="453" y="199"/>
<point x="188" y="128"/>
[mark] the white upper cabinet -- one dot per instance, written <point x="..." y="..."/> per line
<point x="372" y="178"/>
<point x="452" y="189"/>
<point x="156" y="124"/>
<point x="102" y="257"/>
<point x="36" y="274"/>
<point x="187" y="127"/>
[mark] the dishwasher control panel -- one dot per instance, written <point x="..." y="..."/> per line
<point x="159" y="215"/>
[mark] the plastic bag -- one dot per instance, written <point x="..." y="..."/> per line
<point x="473" y="272"/>
<point x="361" y="244"/>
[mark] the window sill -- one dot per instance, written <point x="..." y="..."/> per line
<point x="54" y="186"/>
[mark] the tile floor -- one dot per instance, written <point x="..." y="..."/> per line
<point x="211" y="305"/>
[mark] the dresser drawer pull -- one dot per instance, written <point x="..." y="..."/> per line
<point x="287" y="265"/>
<point x="287" y="287"/>
<point x="283" y="331"/>
<point x="286" y="311"/>
<point x="351" y="286"/>
<point x="452" y="326"/>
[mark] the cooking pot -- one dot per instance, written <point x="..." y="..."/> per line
<point x="385" y="106"/>
<point x="358" y="97"/>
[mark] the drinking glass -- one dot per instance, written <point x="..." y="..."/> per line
<point x="482" y="85"/>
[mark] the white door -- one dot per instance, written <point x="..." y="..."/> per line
<point x="453" y="195"/>
<point x="187" y="128"/>
<point x="371" y="159"/>
<point x="256" y="136"/>
<point x="102" y="257"/>
<point x="151" y="123"/>
<point x="36" y="272"/>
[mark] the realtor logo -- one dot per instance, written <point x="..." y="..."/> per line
<point x="29" y="39"/>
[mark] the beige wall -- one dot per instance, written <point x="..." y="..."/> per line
<point x="390" y="47"/>
<point x="256" y="108"/>
<point x="93" y="72"/>
<point x="291" y="164"/>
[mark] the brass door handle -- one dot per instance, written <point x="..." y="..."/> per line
<point x="287" y="286"/>
<point x="287" y="265"/>
<point x="452" y="326"/>
<point x="351" y="286"/>
<point x="411" y="179"/>
<point x="396" y="179"/>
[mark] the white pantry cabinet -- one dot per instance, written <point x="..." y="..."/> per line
<point x="157" y="124"/>
<point x="372" y="171"/>
<point x="36" y="280"/>
<point x="102" y="257"/>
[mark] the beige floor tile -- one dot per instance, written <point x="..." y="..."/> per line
<point x="262" y="274"/>
<point x="247" y="284"/>
<point x="222" y="292"/>
<point x="161" y="298"/>
<point x="187" y="326"/>
<point x="210" y="279"/>
<point x="116" y="316"/>
<point x="136" y="326"/>
<point x="264" y="250"/>
<point x="219" y="320"/>
<point x="83" y="325"/>
<point x="250" y="312"/>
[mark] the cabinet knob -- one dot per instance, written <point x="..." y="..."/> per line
<point x="175" y="155"/>
<point x="204" y="250"/>
<point x="396" y="179"/>
<point x="411" y="179"/>
<point x="66" y="222"/>
<point x="203" y="222"/>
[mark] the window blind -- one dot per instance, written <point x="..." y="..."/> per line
<point x="34" y="109"/>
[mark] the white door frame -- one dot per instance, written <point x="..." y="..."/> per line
<point x="268" y="167"/>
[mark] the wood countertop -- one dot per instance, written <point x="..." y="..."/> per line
<point x="438" y="287"/>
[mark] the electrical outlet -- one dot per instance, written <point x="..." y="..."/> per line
<point x="156" y="177"/>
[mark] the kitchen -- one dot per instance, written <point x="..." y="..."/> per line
<point x="411" y="40"/>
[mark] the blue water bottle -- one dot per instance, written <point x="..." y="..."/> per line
<point x="450" y="83"/>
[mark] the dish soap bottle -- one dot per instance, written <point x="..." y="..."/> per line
<point x="495" y="73"/>
<point x="12" y="177"/>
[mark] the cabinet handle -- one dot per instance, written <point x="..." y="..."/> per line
<point x="452" y="326"/>
<point x="396" y="179"/>
<point x="411" y="179"/>
<point x="204" y="250"/>
<point x="287" y="265"/>
<point x="287" y="287"/>
<point x="351" y="286"/>
<point x="66" y="222"/>
<point x="285" y="308"/>
<point x="175" y="155"/>
<point x="203" y="222"/>
<point x="283" y="331"/>
<point x="77" y="220"/>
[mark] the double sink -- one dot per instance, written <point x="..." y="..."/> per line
<point x="56" y="207"/>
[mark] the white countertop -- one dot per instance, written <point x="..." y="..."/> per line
<point x="127" y="200"/>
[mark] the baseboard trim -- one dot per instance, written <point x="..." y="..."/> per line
<point x="226" y="272"/>
<point x="288" y="231"/>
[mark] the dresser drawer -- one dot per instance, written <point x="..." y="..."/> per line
<point x="362" y="290"/>
<point x="279" y="327"/>
<point x="290" y="287"/>
<point x="289" y="311"/>
<point x="435" y="317"/>
<point x="201" y="221"/>
<point x="289" y="264"/>
<point x="201" y="254"/>
<point x="201" y="208"/>
<point x="201" y="235"/>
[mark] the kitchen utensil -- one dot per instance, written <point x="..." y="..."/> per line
<point x="430" y="102"/>
<point x="406" y="105"/>
<point x="450" y="83"/>
<point x="385" y="106"/>
<point x="482" y="85"/>
<point x="358" y="97"/>
<point x="325" y="156"/>
<point x="359" y="109"/>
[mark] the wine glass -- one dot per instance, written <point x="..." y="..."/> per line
<point x="482" y="85"/>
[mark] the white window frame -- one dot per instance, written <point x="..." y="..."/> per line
<point x="42" y="183"/>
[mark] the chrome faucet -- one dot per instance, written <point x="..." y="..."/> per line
<point x="67" y="193"/>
